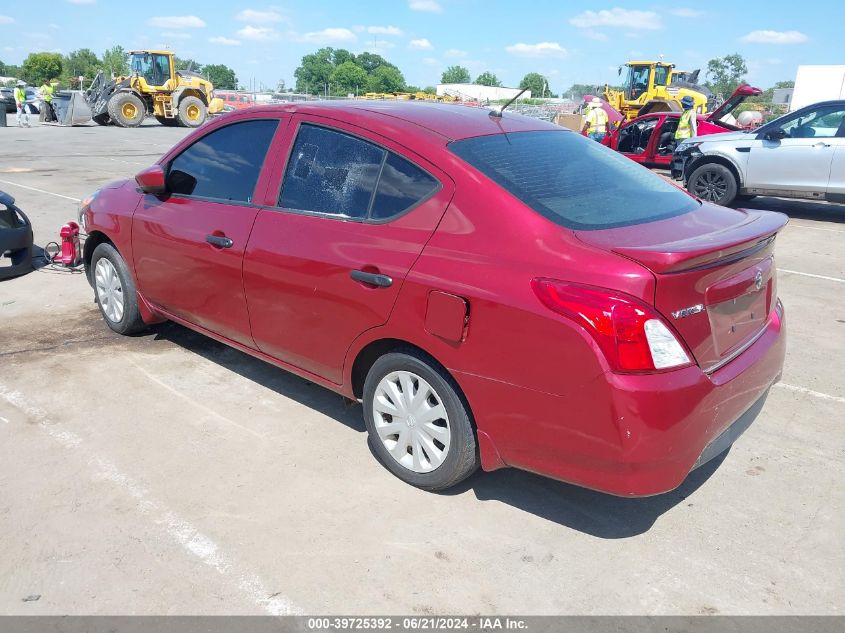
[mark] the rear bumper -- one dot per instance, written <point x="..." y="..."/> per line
<point x="632" y="435"/>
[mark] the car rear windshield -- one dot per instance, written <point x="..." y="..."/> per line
<point x="572" y="180"/>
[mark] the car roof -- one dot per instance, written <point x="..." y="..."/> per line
<point x="451" y="121"/>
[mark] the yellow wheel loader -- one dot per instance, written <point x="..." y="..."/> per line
<point x="656" y="87"/>
<point x="153" y="87"/>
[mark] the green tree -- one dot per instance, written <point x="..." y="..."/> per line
<point x="455" y="75"/>
<point x="431" y="90"/>
<point x="371" y="61"/>
<point x="536" y="83"/>
<point x="115" y="61"/>
<point x="40" y="66"/>
<point x="187" y="64"/>
<point x="386" y="78"/>
<point x="341" y="56"/>
<point x="314" y="71"/>
<point x="576" y="91"/>
<point x="488" y="79"/>
<point x="725" y="74"/>
<point x="221" y="76"/>
<point x="81" y="63"/>
<point x="348" y="78"/>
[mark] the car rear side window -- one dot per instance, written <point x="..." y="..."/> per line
<point x="401" y="186"/>
<point x="337" y="174"/>
<point x="572" y="180"/>
<point x="225" y="164"/>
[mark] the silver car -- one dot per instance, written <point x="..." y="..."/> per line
<point x="799" y="155"/>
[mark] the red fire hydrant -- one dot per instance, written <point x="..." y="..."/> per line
<point x="71" y="254"/>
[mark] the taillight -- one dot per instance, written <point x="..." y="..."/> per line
<point x="632" y="336"/>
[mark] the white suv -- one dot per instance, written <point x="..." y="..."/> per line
<point x="799" y="155"/>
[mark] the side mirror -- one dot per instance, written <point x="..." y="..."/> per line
<point x="775" y="135"/>
<point x="151" y="180"/>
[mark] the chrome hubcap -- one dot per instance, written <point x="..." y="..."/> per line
<point x="109" y="290"/>
<point x="411" y="421"/>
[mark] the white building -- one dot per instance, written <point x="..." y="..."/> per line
<point x="817" y="83"/>
<point x="475" y="92"/>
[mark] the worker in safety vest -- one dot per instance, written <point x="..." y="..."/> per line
<point x="595" y="125"/>
<point x="688" y="125"/>
<point x="20" y="104"/>
<point x="47" y="98"/>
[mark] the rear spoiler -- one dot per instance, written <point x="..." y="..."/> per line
<point x="734" y="242"/>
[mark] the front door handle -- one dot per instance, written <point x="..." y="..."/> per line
<point x="220" y="241"/>
<point x="372" y="279"/>
<point x="821" y="144"/>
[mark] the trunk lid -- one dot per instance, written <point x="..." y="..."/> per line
<point x="716" y="283"/>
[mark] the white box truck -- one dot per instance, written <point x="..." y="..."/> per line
<point x="818" y="83"/>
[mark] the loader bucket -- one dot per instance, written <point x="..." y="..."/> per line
<point x="71" y="108"/>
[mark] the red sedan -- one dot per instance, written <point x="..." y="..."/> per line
<point x="496" y="291"/>
<point x="650" y="139"/>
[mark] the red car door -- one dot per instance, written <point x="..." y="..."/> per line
<point x="327" y="263"/>
<point x="188" y="245"/>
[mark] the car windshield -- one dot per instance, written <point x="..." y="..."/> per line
<point x="574" y="181"/>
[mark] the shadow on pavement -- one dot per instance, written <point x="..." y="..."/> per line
<point x="798" y="209"/>
<point x="594" y="513"/>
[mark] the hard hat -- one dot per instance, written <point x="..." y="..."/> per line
<point x="688" y="102"/>
<point x="20" y="83"/>
<point x="595" y="102"/>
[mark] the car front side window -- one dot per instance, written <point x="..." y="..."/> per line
<point x="821" y="123"/>
<point x="225" y="164"/>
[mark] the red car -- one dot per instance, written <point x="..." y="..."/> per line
<point x="496" y="291"/>
<point x="650" y="139"/>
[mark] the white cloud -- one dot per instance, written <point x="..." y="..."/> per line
<point x="455" y="52"/>
<point x="686" y="12"/>
<point x="260" y="17"/>
<point x="258" y="33"/>
<point x="542" y="49"/>
<point x="429" y="6"/>
<point x="421" y="44"/>
<point x="176" y="35"/>
<point x="595" y="35"/>
<point x="774" y="37"/>
<point x="5" y="19"/>
<point x="224" y="41"/>
<point x="177" y="22"/>
<point x="384" y="30"/>
<point x="329" y="36"/>
<point x="646" y="20"/>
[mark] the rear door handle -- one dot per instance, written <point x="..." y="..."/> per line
<point x="220" y="241"/>
<point x="373" y="279"/>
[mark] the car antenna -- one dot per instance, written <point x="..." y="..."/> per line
<point x="498" y="112"/>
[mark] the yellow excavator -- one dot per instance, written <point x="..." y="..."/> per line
<point x="656" y="86"/>
<point x="153" y="87"/>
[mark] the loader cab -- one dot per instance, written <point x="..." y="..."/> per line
<point x="155" y="67"/>
<point x="643" y="77"/>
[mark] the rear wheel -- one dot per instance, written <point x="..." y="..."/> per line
<point x="418" y="424"/>
<point x="126" y="109"/>
<point x="115" y="290"/>
<point x="192" y="112"/>
<point x="714" y="183"/>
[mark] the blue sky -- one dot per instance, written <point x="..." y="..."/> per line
<point x="567" y="42"/>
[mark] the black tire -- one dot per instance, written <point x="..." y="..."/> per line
<point x="187" y="107"/>
<point x="714" y="183"/>
<point x="102" y="119"/>
<point x="126" y="109"/>
<point x="167" y="122"/>
<point x="130" y="322"/>
<point x="461" y="459"/>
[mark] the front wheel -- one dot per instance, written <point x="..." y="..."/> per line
<point x="192" y="112"/>
<point x="418" y="424"/>
<point x="115" y="290"/>
<point x="714" y="183"/>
